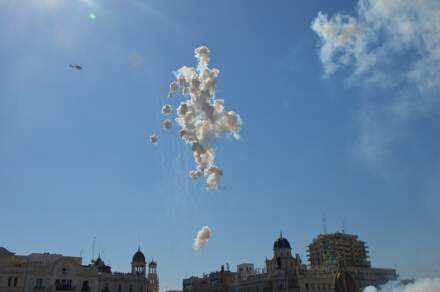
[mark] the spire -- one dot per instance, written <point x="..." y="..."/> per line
<point x="281" y="234"/>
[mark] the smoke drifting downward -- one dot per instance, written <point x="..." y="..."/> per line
<point x="202" y="237"/>
<point x="202" y="117"/>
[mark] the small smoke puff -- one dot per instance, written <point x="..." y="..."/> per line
<point x="195" y="174"/>
<point x="173" y="88"/>
<point x="167" y="124"/>
<point x="214" y="176"/>
<point x="166" y="109"/>
<point x="202" y="237"/>
<point x="154" y="138"/>
<point x="202" y="53"/>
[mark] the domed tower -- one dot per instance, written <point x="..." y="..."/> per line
<point x="138" y="263"/>
<point x="282" y="257"/>
<point x="153" y="279"/>
<point x="281" y="247"/>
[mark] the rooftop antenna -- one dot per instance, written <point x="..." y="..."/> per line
<point x="93" y="248"/>
<point x="324" y="224"/>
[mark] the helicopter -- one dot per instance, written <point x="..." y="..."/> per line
<point x="77" y="67"/>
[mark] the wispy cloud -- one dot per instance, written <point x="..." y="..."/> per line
<point x="392" y="45"/>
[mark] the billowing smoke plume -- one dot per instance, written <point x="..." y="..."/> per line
<point x="202" y="237"/>
<point x="421" y="285"/>
<point x="202" y="117"/>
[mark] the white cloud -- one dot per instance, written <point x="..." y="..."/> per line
<point x="394" y="45"/>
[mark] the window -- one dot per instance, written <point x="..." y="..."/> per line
<point x="63" y="285"/>
<point x="130" y="289"/>
<point x="9" y="281"/>
<point x="85" y="286"/>
<point x="119" y="288"/>
<point x="307" y="286"/>
<point x="15" y="281"/>
<point x="39" y="284"/>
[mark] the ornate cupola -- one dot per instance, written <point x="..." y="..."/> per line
<point x="281" y="247"/>
<point x="138" y="264"/>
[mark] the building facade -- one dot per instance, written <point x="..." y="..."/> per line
<point x="45" y="272"/>
<point x="285" y="272"/>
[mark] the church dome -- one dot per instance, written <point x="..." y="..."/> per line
<point x="281" y="242"/>
<point x="138" y="256"/>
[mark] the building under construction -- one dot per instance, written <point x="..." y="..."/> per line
<point x="327" y="248"/>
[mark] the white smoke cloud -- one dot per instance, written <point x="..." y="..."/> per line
<point x="421" y="285"/>
<point x="167" y="124"/>
<point x="202" y="237"/>
<point x="393" y="45"/>
<point x="167" y="109"/>
<point x="202" y="117"/>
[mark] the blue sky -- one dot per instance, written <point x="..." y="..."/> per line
<point x="349" y="131"/>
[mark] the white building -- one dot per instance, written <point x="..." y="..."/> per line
<point x="44" y="272"/>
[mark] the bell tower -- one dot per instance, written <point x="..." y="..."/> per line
<point x="153" y="279"/>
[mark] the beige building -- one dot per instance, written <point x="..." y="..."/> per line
<point x="45" y="272"/>
<point x="284" y="272"/>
